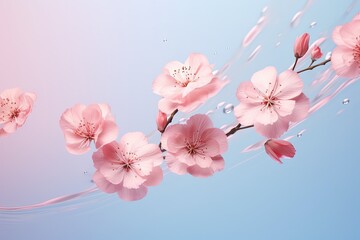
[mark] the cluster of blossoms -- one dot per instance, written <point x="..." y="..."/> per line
<point x="270" y="102"/>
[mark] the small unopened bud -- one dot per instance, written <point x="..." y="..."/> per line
<point x="161" y="121"/>
<point x="301" y="45"/>
<point x="316" y="53"/>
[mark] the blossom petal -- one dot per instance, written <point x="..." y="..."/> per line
<point x="246" y="113"/>
<point x="337" y="36"/>
<point x="284" y="107"/>
<point x="289" y="85"/>
<point x="108" y="134"/>
<point x="267" y="115"/>
<point x="246" y="93"/>
<point x="342" y="62"/>
<point x="301" y="109"/>
<point x="217" y="135"/>
<point x="132" y="180"/>
<point x="103" y="184"/>
<point x="150" y="152"/>
<point x="132" y="194"/>
<point x="274" y="130"/>
<point x="175" y="166"/>
<point x="217" y="165"/>
<point x="133" y="141"/>
<point x="203" y="161"/>
<point x="349" y="32"/>
<point x="265" y="80"/>
<point x="172" y="139"/>
<point x="155" y="177"/>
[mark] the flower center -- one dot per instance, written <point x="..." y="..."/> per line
<point x="128" y="160"/>
<point x="356" y="51"/>
<point x="86" y="130"/>
<point x="194" y="147"/>
<point x="15" y="113"/>
<point x="9" y="110"/>
<point x="183" y="76"/>
<point x="268" y="102"/>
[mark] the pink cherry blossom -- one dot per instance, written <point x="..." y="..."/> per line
<point x="346" y="56"/>
<point x="185" y="86"/>
<point x="128" y="167"/>
<point x="301" y="45"/>
<point x="316" y="53"/>
<point x="277" y="149"/>
<point x="195" y="147"/>
<point x="15" y="107"/>
<point x="161" y="121"/>
<point x="83" y="124"/>
<point x="271" y="102"/>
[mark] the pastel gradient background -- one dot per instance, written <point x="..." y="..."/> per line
<point x="88" y="51"/>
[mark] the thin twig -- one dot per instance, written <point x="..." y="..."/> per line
<point x="296" y="60"/>
<point x="314" y="66"/>
<point x="170" y="119"/>
<point x="167" y="123"/>
<point x="237" y="128"/>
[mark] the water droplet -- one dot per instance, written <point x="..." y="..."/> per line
<point x="85" y="172"/>
<point x="215" y="53"/>
<point x="346" y="101"/>
<point x="254" y="53"/>
<point x="228" y="108"/>
<point x="223" y="127"/>
<point x="296" y="19"/>
<point x="299" y="135"/>
<point x="209" y="112"/>
<point x="328" y="56"/>
<point x="164" y="40"/>
<point x="313" y="24"/>
<point x="277" y="44"/>
<point x="220" y="104"/>
<point x="182" y="120"/>
<point x="261" y="20"/>
<point x="264" y="10"/>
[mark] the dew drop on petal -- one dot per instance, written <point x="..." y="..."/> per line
<point x="277" y="44"/>
<point x="85" y="172"/>
<point x="228" y="108"/>
<point x="328" y="56"/>
<point x="346" y="101"/>
<point x="164" y="40"/>
<point x="313" y="24"/>
<point x="182" y="120"/>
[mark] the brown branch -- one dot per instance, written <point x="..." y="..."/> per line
<point x="170" y="119"/>
<point x="167" y="123"/>
<point x="314" y="66"/>
<point x="296" y="60"/>
<point x="237" y="128"/>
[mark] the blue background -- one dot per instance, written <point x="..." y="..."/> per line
<point x="70" y="52"/>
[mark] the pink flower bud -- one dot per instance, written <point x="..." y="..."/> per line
<point x="277" y="149"/>
<point x="161" y="121"/>
<point x="301" y="45"/>
<point x="316" y="53"/>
